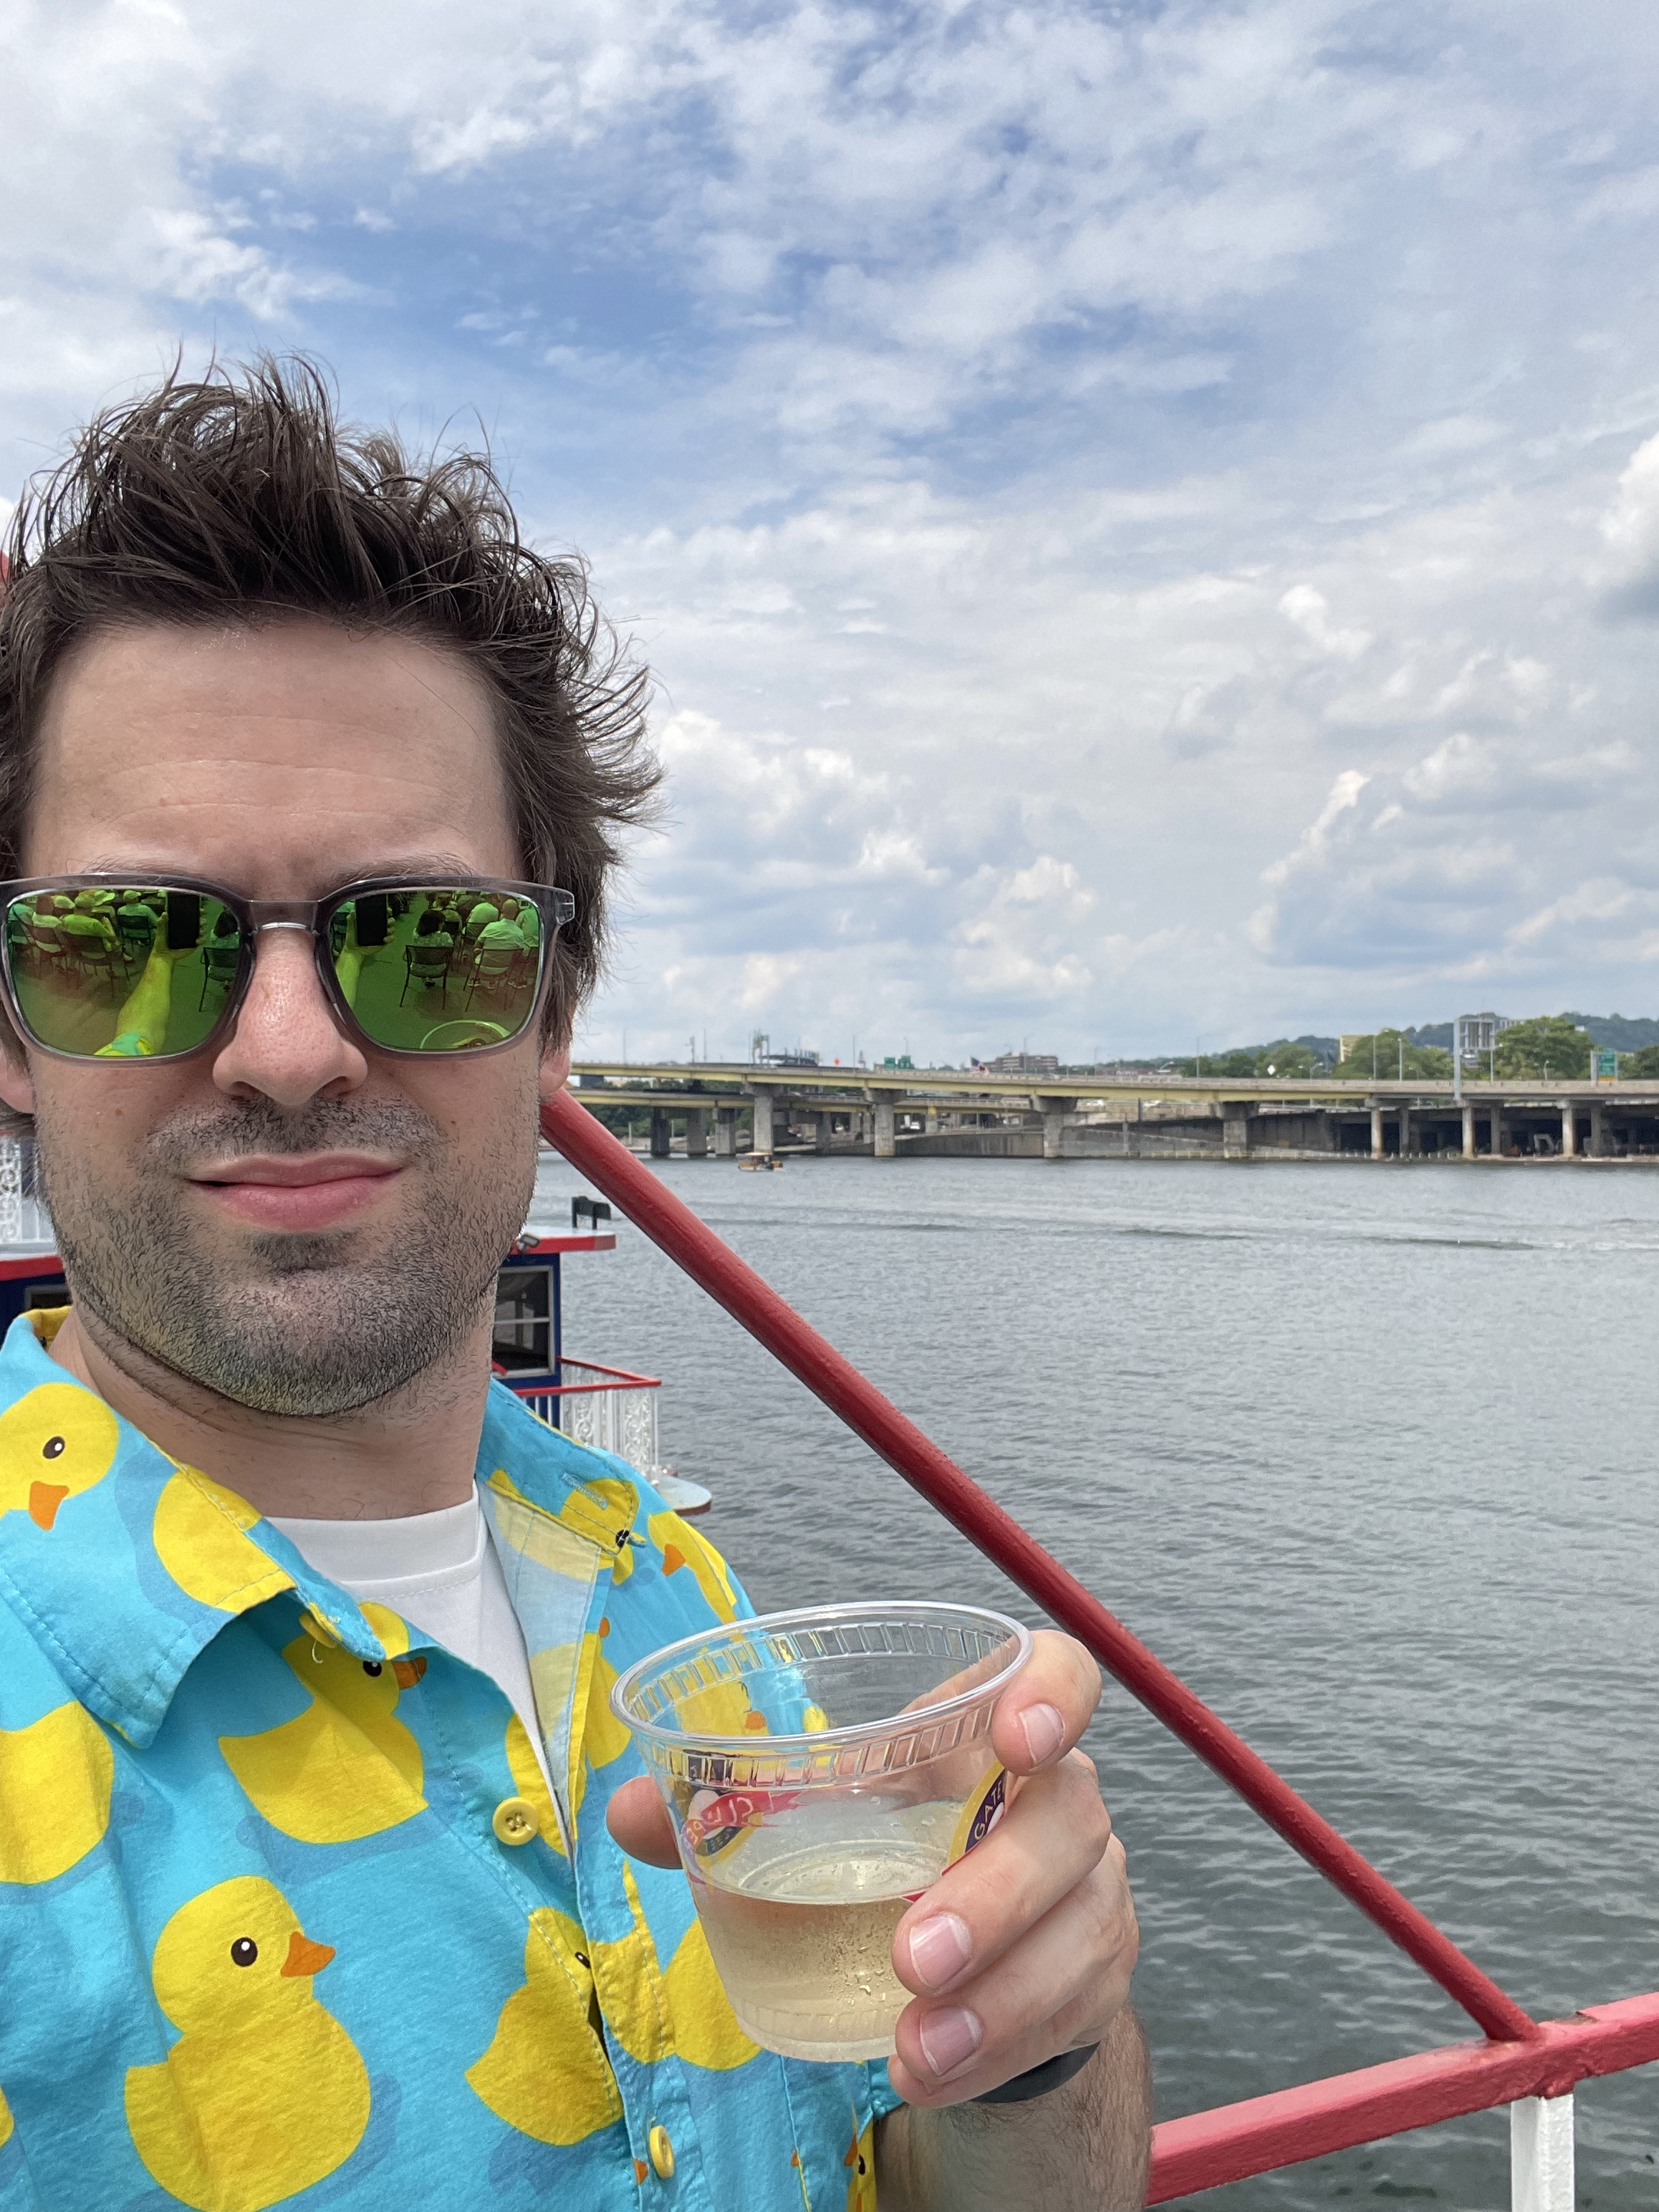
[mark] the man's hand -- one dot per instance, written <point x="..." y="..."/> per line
<point x="1023" y="1948"/>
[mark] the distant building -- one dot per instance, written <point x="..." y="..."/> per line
<point x="1023" y="1063"/>
<point x="1479" y="1033"/>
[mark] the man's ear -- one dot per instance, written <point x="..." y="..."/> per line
<point x="16" y="1084"/>
<point x="555" y="1068"/>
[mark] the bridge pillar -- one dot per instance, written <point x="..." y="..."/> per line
<point x="1468" y="1132"/>
<point x="1235" y="1129"/>
<point x="1569" y="1130"/>
<point x="1055" y="1111"/>
<point x="1598" y="1142"/>
<point x="763" y="1117"/>
<point x="1495" y="1143"/>
<point x="821" y="1132"/>
<point x="1377" y="1133"/>
<point x="725" y="1132"/>
<point x="660" y="1129"/>
<point x="1405" y="1131"/>
<point x="696" y="1133"/>
<point x="885" y="1148"/>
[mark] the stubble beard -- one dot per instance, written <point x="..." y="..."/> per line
<point x="302" y="1326"/>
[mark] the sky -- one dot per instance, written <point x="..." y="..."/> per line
<point x="1144" y="518"/>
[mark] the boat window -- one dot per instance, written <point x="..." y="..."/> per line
<point x="46" y="1294"/>
<point x="524" y="1320"/>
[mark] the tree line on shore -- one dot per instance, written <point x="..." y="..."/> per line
<point x="1549" y="1048"/>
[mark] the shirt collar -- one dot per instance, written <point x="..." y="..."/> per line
<point x="124" y="1565"/>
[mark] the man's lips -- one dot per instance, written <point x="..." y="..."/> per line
<point x="298" y="1192"/>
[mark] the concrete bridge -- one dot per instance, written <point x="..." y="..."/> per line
<point x="945" y="1112"/>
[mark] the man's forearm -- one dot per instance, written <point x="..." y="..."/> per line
<point x="1081" y="2148"/>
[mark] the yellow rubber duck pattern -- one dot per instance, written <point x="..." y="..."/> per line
<point x="346" y="1767"/>
<point x="55" y="1442"/>
<point x="55" y="1778"/>
<point x="545" y="2072"/>
<point x="861" y="2171"/>
<point x="264" y="2093"/>
<point x="290" y="1917"/>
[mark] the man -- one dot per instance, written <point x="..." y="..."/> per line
<point x="326" y="1876"/>
<point x="505" y="931"/>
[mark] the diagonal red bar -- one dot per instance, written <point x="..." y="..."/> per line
<point x="669" y="1223"/>
<point x="1207" y="2148"/>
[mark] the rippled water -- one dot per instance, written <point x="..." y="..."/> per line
<point x="1365" y="1454"/>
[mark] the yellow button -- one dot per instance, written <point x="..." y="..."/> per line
<point x="515" y="1821"/>
<point x="661" y="2150"/>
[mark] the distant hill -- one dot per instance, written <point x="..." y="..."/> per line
<point x="1619" y="1032"/>
<point x="1613" y="1032"/>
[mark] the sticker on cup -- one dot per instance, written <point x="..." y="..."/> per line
<point x="717" y="1821"/>
<point x="987" y="1803"/>
<point x="985" y="1807"/>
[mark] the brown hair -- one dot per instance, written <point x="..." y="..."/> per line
<point x="244" y="493"/>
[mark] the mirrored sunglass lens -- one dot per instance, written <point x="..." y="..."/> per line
<point x="122" y="971"/>
<point x="431" y="969"/>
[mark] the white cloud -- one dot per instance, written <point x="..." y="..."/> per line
<point x="1309" y="611"/>
<point x="1630" y="523"/>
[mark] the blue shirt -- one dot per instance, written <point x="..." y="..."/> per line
<point x="286" y="1914"/>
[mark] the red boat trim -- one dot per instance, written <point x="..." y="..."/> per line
<point x="1207" y="2148"/>
<point x="602" y="1240"/>
<point x="47" y="1264"/>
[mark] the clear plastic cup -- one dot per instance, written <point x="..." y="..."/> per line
<point x="822" y="1769"/>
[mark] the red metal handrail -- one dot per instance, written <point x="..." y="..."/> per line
<point x="1522" y="2057"/>
<point x="1206" y="2149"/>
<point x="623" y="1380"/>
<point x="670" y="1223"/>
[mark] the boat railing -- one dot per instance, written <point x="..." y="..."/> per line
<point x="607" y="1407"/>
<point x="1532" y="2066"/>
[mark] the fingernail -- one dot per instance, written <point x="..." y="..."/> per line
<point x="940" y="1949"/>
<point x="1045" y="1732"/>
<point x="950" y="2039"/>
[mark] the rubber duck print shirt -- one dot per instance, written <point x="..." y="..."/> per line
<point x="287" y="1915"/>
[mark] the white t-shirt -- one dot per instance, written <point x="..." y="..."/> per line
<point x="440" y="1571"/>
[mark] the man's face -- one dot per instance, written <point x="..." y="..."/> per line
<point x="295" y="1221"/>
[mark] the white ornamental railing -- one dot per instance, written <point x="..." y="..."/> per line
<point x="606" y="1406"/>
<point x="23" y="1220"/>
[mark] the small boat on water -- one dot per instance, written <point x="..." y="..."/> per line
<point x="757" y="1161"/>
<point x="611" y="1408"/>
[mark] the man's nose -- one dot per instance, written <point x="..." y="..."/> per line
<point x="287" y="1044"/>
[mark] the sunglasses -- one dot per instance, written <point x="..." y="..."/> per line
<point x="103" y="967"/>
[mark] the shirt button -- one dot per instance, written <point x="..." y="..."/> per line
<point x="515" y="1821"/>
<point x="661" y="2150"/>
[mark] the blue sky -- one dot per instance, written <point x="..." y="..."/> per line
<point x="1144" y="519"/>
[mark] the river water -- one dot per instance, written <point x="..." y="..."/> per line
<point x="1365" y="1454"/>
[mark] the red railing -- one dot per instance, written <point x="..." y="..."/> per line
<point x="1521" y="2058"/>
<point x="620" y="1379"/>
